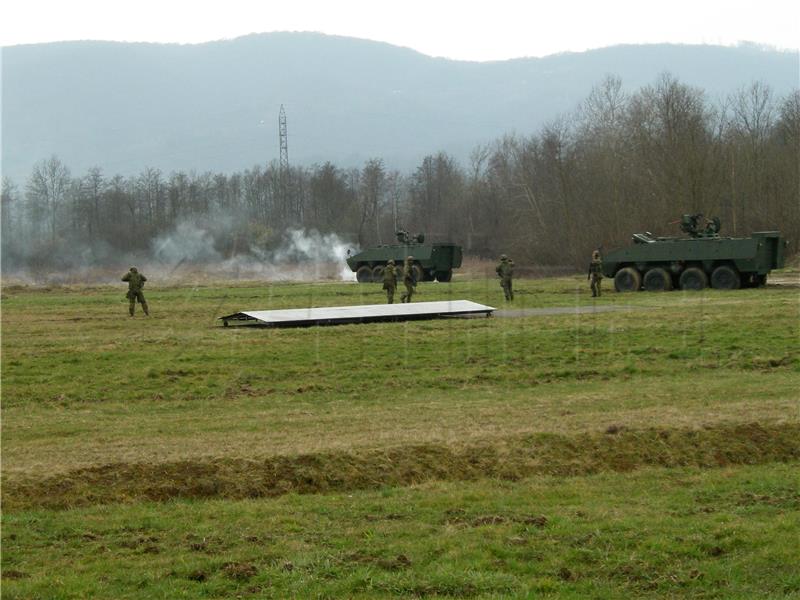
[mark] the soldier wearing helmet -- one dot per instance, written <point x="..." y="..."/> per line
<point x="505" y="271"/>
<point x="390" y="280"/>
<point x="596" y="273"/>
<point x="409" y="279"/>
<point x="135" y="285"/>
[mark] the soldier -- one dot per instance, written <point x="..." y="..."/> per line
<point x="135" y="284"/>
<point x="505" y="271"/>
<point x="390" y="281"/>
<point x="409" y="279"/>
<point x="595" y="273"/>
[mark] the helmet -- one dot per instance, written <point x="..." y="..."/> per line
<point x="596" y="254"/>
<point x="390" y="262"/>
<point x="409" y="258"/>
<point x="503" y="257"/>
<point x="134" y="270"/>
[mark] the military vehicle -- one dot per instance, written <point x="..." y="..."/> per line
<point x="431" y="261"/>
<point x="695" y="260"/>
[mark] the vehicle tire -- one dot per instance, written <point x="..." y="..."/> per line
<point x="444" y="276"/>
<point x="657" y="280"/>
<point x="419" y="272"/>
<point x="760" y="280"/>
<point x="725" y="277"/>
<point x="377" y="274"/>
<point x="693" y="279"/>
<point x="364" y="274"/>
<point x="627" y="279"/>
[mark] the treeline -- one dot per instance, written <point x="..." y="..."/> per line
<point x="619" y="163"/>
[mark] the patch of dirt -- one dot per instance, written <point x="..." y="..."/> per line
<point x="399" y="562"/>
<point x="459" y="517"/>
<point x="14" y="574"/>
<point x="389" y="517"/>
<point x="509" y="458"/>
<point x="140" y="543"/>
<point x="564" y="574"/>
<point x="789" y="499"/>
<point x="239" y="571"/>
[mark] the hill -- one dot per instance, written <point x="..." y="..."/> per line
<point x="214" y="106"/>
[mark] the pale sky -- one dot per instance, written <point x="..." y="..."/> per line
<point x="458" y="29"/>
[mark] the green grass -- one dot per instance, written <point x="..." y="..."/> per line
<point x="729" y="533"/>
<point x="106" y="413"/>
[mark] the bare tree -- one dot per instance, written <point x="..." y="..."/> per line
<point x="46" y="191"/>
<point x="371" y="197"/>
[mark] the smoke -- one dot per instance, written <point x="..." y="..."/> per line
<point x="314" y="248"/>
<point x="300" y="255"/>
<point x="217" y="249"/>
<point x="186" y="243"/>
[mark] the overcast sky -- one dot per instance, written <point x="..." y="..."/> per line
<point x="459" y="29"/>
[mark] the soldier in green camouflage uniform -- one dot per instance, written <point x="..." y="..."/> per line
<point x="505" y="271"/>
<point x="135" y="284"/>
<point x="409" y="279"/>
<point x="596" y="273"/>
<point x="390" y="281"/>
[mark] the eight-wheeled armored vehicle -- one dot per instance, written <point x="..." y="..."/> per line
<point x="431" y="261"/>
<point x="694" y="261"/>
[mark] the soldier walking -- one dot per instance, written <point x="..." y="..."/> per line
<point x="390" y="281"/>
<point x="135" y="284"/>
<point x="409" y="279"/>
<point x="505" y="271"/>
<point x="596" y="273"/>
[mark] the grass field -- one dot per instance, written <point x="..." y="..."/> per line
<point x="650" y="451"/>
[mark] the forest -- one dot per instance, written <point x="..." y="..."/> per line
<point x="619" y="163"/>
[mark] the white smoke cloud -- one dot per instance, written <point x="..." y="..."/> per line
<point x="186" y="243"/>
<point x="301" y="256"/>
<point x="199" y="251"/>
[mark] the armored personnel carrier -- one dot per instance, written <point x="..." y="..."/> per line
<point x="431" y="261"/>
<point x="695" y="260"/>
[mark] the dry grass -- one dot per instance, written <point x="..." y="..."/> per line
<point x="245" y="426"/>
<point x="616" y="449"/>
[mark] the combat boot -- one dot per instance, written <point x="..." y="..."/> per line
<point x="145" y="309"/>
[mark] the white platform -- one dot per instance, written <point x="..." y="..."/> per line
<point x="360" y="313"/>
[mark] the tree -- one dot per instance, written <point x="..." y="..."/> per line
<point x="46" y="192"/>
<point x="436" y="191"/>
<point x="9" y="217"/>
<point x="370" y="197"/>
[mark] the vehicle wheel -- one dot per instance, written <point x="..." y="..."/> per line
<point x="444" y="276"/>
<point x="725" y="277"/>
<point x="657" y="280"/>
<point x="364" y="274"/>
<point x="419" y="272"/>
<point x="377" y="274"/>
<point x="627" y="279"/>
<point x="693" y="279"/>
<point x="760" y="280"/>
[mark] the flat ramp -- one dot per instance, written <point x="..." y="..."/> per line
<point x="362" y="313"/>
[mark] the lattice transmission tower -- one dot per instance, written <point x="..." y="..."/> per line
<point x="283" y="170"/>
<point x="284" y="141"/>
